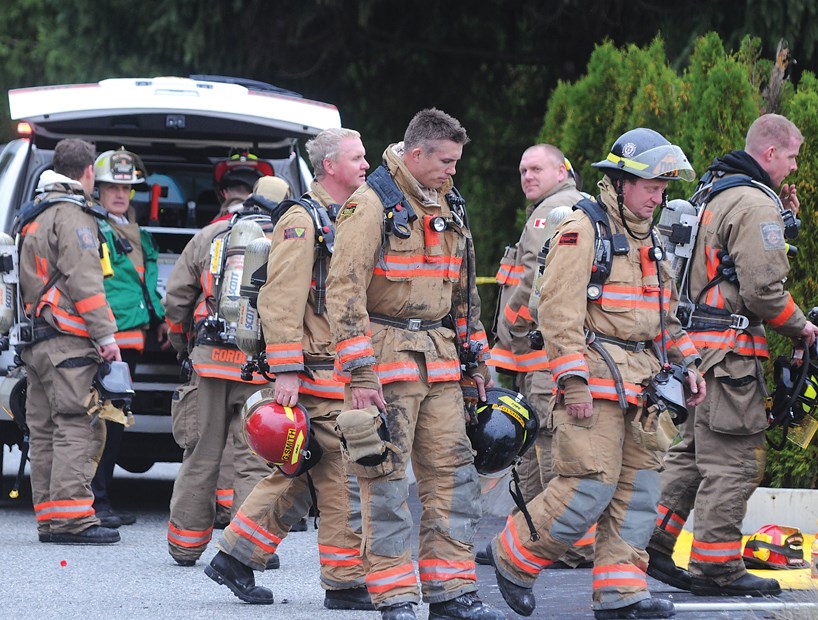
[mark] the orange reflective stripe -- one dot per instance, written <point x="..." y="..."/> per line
<point x="134" y="339"/>
<point x="69" y="322"/>
<point x="252" y="531"/>
<point x="743" y="344"/>
<point x="588" y="538"/>
<point x="398" y="371"/>
<point x="30" y="227"/>
<point x="176" y="328"/>
<point x="418" y="266"/>
<point x="91" y="303"/>
<point x="285" y="354"/>
<point x="785" y="314"/>
<point x="605" y="389"/>
<point x="616" y="576"/>
<point x="224" y="497"/>
<point x="717" y="553"/>
<point x="509" y="274"/>
<point x="42" y="268"/>
<point x="574" y="362"/>
<point x="517" y="553"/>
<point x="188" y="538"/>
<point x="64" y="509"/>
<point x="634" y="297"/>
<point x="441" y="570"/>
<point x="322" y="388"/>
<point x="201" y="311"/>
<point x="354" y="348"/>
<point x="385" y="580"/>
<point x="338" y="556"/>
<point x="528" y="362"/>
<point x="216" y="371"/>
<point x="443" y="371"/>
<point x="669" y="521"/>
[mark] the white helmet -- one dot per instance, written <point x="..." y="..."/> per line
<point x="120" y="167"/>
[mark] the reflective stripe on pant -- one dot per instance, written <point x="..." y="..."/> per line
<point x="277" y="503"/>
<point x="425" y="420"/>
<point x="715" y="474"/>
<point x="66" y="443"/>
<point x="192" y="505"/>
<point x="603" y="476"/>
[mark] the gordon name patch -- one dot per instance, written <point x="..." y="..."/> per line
<point x="772" y="236"/>
<point x="569" y="238"/>
<point x="295" y="233"/>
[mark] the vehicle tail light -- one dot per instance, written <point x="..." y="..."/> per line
<point x="24" y="129"/>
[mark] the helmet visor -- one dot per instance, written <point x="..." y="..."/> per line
<point x="666" y="162"/>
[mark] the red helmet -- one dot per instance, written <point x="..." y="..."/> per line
<point x="280" y="435"/>
<point x="242" y="167"/>
<point x="775" y="547"/>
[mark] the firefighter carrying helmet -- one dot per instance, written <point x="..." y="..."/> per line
<point x="119" y="167"/>
<point x="505" y="429"/>
<point x="646" y="154"/>
<point x="280" y="435"/>
<point x="775" y="547"/>
<point x="242" y="167"/>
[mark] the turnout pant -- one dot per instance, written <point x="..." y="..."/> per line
<point x="66" y="443"/>
<point x="425" y="421"/>
<point x="714" y="473"/>
<point x="277" y="502"/>
<point x="213" y="412"/>
<point x="602" y="476"/>
<point x="537" y="469"/>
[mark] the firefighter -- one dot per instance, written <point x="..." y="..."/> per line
<point x="599" y="336"/>
<point x="720" y="460"/>
<point x="73" y="332"/>
<point x="548" y="183"/>
<point x="208" y="408"/>
<point x="299" y="352"/>
<point x="402" y="263"/>
<point x="131" y="293"/>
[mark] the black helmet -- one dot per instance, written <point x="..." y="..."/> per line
<point x="646" y="154"/>
<point x="506" y="427"/>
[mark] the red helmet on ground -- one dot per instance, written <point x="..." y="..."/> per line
<point x="775" y="547"/>
<point x="280" y="435"/>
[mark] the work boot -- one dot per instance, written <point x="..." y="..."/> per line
<point x="109" y="519"/>
<point x="401" y="611"/>
<point x="662" y="567"/>
<point x="94" y="535"/>
<point x="274" y="563"/>
<point x="560" y="565"/>
<point x="520" y="599"/>
<point x="646" y="608"/>
<point x="228" y="571"/>
<point x="300" y="525"/>
<point x="127" y="518"/>
<point x="348" y="598"/>
<point x="466" y="606"/>
<point x="482" y="557"/>
<point x="746" y="585"/>
<point x="186" y="562"/>
<point x="44" y="537"/>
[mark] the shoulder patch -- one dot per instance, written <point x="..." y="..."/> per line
<point x="295" y="233"/>
<point x="569" y="238"/>
<point x="87" y="238"/>
<point x="772" y="236"/>
<point x="540" y="222"/>
<point x="349" y="209"/>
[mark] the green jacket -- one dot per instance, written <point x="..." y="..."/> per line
<point x="124" y="290"/>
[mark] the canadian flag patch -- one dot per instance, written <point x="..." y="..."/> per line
<point x="540" y="222"/>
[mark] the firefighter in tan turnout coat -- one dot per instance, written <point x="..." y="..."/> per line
<point x="607" y="468"/>
<point x="300" y="353"/>
<point x="388" y="293"/>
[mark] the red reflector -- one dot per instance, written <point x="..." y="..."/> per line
<point x="24" y="129"/>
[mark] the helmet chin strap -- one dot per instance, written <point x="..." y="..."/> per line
<point x="620" y="201"/>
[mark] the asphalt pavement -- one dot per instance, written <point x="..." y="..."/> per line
<point x="137" y="579"/>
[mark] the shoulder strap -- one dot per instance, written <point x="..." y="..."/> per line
<point x="31" y="209"/>
<point x="603" y="255"/>
<point x="398" y="213"/>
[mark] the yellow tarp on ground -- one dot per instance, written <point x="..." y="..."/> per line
<point x="789" y="579"/>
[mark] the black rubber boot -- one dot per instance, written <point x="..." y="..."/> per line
<point x="300" y="525"/>
<point x="662" y="567"/>
<point x="349" y="598"/>
<point x="228" y="571"/>
<point x="274" y="563"/>
<point x="466" y="607"/>
<point x="746" y="585"/>
<point x="401" y="611"/>
<point x="94" y="535"/>
<point x="646" y="608"/>
<point x="520" y="599"/>
<point x="482" y="557"/>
